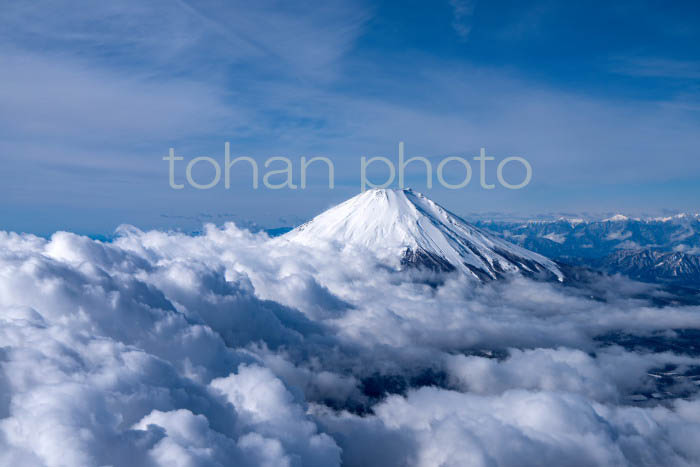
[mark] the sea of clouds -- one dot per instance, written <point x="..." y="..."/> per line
<point x="232" y="348"/>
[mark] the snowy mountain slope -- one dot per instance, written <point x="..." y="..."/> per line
<point x="404" y="228"/>
<point x="573" y="239"/>
<point x="652" y="265"/>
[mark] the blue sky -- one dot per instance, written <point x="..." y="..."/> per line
<point x="602" y="98"/>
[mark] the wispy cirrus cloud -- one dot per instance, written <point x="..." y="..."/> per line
<point x="462" y="11"/>
<point x="657" y="67"/>
<point x="210" y="33"/>
<point x="97" y="85"/>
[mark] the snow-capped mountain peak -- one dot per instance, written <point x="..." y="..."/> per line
<point x="405" y="228"/>
<point x="616" y="218"/>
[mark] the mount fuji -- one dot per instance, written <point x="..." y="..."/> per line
<point x="405" y="229"/>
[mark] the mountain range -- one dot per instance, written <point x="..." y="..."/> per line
<point x="407" y="230"/>
<point x="661" y="249"/>
<point x="578" y="238"/>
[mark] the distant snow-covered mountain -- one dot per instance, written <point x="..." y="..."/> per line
<point x="660" y="249"/>
<point x="576" y="238"/>
<point x="652" y="265"/>
<point x="405" y="229"/>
